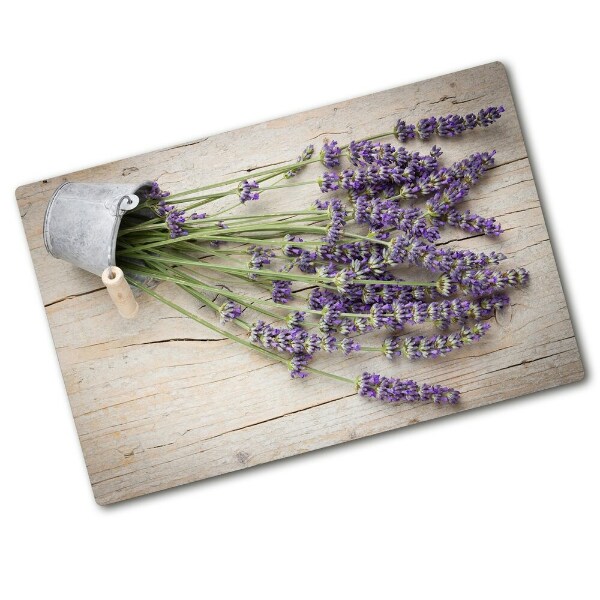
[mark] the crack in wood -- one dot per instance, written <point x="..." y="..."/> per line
<point x="468" y="100"/>
<point x="503" y="187"/>
<point x="442" y="99"/>
<point x="531" y="360"/>
<point x="112" y="427"/>
<point x="508" y="162"/>
<point x="537" y="225"/>
<point x="71" y="296"/>
<point x="467" y="237"/>
<point x="208" y="439"/>
<point x="417" y="104"/>
<point x="328" y="133"/>
<point x="173" y="340"/>
<point x="185" y="145"/>
<point x="25" y="209"/>
<point x="511" y="212"/>
<point x="250" y="169"/>
<point x="212" y="381"/>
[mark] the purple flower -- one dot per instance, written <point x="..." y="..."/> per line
<point x="353" y="180"/>
<point x="321" y="203"/>
<point x="331" y="317"/>
<point x="246" y="190"/>
<point x="256" y="331"/>
<point x="319" y="298"/>
<point x="174" y="218"/>
<point x="329" y="343"/>
<point x="156" y="193"/>
<point x="481" y="282"/>
<point x="343" y="280"/>
<point x="328" y="182"/>
<point x="435" y="152"/>
<point x="445" y="312"/>
<point x="473" y="223"/>
<point x="444" y="200"/>
<point x="360" y="152"/>
<point x="407" y="249"/>
<point x="281" y="291"/>
<point x="330" y="154"/>
<point x="306" y="155"/>
<point x="380" y="214"/>
<point x="426" y="127"/>
<point x="289" y="249"/>
<point x="403" y="131"/>
<point x="297" y="366"/>
<point x="450" y="126"/>
<point x="418" y="346"/>
<point x="194" y="216"/>
<point x="365" y="152"/>
<point x="259" y="257"/>
<point x="295" y="318"/>
<point x="349" y="345"/>
<point x="469" y="170"/>
<point x="229" y="311"/>
<point x="470" y="121"/>
<point x="306" y="262"/>
<point x="335" y="227"/>
<point x="487" y="116"/>
<point x="294" y="340"/>
<point x="391" y="389"/>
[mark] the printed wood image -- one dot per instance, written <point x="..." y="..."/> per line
<point x="299" y="283"/>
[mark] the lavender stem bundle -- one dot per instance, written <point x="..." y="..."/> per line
<point x="349" y="250"/>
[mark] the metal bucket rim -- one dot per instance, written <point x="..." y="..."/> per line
<point x="46" y="229"/>
<point x="117" y="222"/>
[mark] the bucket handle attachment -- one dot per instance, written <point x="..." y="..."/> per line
<point x="120" y="292"/>
<point x="121" y="204"/>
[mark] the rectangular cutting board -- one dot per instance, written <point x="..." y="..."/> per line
<point x="160" y="401"/>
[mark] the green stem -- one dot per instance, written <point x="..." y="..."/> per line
<point x="207" y="324"/>
<point x="331" y="375"/>
<point x="193" y="281"/>
<point x="277" y="275"/>
<point x="229" y="335"/>
<point x="309" y="215"/>
<point x="274" y="172"/>
<point x="226" y="234"/>
<point x="289" y="185"/>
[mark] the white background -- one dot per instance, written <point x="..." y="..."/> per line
<point x="501" y="502"/>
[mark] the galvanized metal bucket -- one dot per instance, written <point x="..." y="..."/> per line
<point x="82" y="221"/>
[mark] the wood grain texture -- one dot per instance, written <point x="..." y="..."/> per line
<point x="160" y="401"/>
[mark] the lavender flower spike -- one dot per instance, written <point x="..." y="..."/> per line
<point x="391" y="389"/>
<point x="156" y="193"/>
<point x="426" y="127"/>
<point x="328" y="182"/>
<point x="281" y="291"/>
<point x="403" y="131"/>
<point x="174" y="218"/>
<point x="473" y="223"/>
<point x="297" y="365"/>
<point x="306" y="155"/>
<point x="229" y="311"/>
<point x="246" y="190"/>
<point x="449" y="126"/>
<point x="418" y="346"/>
<point x="330" y="154"/>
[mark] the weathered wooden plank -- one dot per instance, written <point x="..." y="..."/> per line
<point x="160" y="401"/>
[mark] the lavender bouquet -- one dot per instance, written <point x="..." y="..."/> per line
<point x="358" y="262"/>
